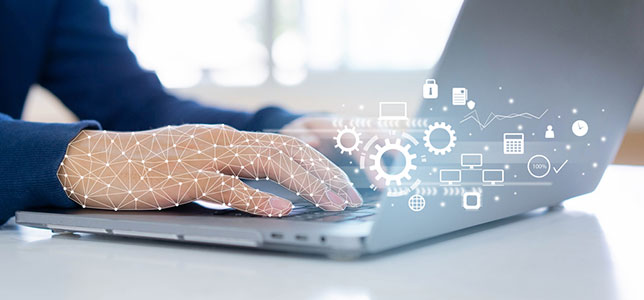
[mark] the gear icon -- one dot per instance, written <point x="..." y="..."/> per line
<point x="377" y="158"/>
<point x="446" y="148"/>
<point x="341" y="134"/>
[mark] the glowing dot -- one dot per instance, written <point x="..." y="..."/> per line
<point x="84" y="206"/>
<point x="486" y="148"/>
<point x="200" y="171"/>
<point x="129" y="192"/>
<point x="109" y="185"/>
<point x="85" y="196"/>
<point x="199" y="152"/>
<point x="72" y="191"/>
<point x="169" y="177"/>
<point x="497" y="198"/>
<point x="179" y="160"/>
<point x="129" y="160"/>
<point x="122" y="153"/>
<point x="150" y="189"/>
<point x="507" y="167"/>
<point x="159" y="208"/>
<point x="154" y="134"/>
<point x="141" y="177"/>
<point x="500" y="88"/>
<point x="511" y="100"/>
<point x="444" y="108"/>
<point x="138" y="143"/>
<point x="603" y="138"/>
<point x="442" y="203"/>
<point x="107" y="164"/>
<point x="595" y="165"/>
<point x="116" y="209"/>
<point x="64" y="188"/>
<point x="195" y="179"/>
<point x="515" y="193"/>
<point x="574" y="110"/>
<point x="112" y="141"/>
<point x="174" y="145"/>
<point x="236" y="154"/>
<point x="180" y="183"/>
<point x="583" y="173"/>
<point x="203" y="194"/>
<point x="66" y="175"/>
<point x="520" y="127"/>
<point x="192" y="136"/>
<point x="355" y="171"/>
<point x="89" y="154"/>
<point x="568" y="147"/>
<point x="292" y="176"/>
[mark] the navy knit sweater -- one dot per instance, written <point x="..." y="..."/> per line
<point x="69" y="47"/>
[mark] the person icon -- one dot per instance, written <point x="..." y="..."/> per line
<point x="550" y="134"/>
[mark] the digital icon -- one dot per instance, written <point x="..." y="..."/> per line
<point x="474" y="116"/>
<point x="493" y="176"/>
<point x="347" y="132"/>
<point x="550" y="134"/>
<point x="539" y="166"/>
<point x="430" y="89"/>
<point x="459" y="96"/>
<point x="471" y="104"/>
<point x="399" y="175"/>
<point x="431" y="143"/>
<point x="416" y="203"/>
<point x="513" y="143"/>
<point x="580" y="128"/>
<point x="450" y="176"/>
<point x="395" y="111"/>
<point x="472" y="200"/>
<point x="560" y="167"/>
<point x="471" y="160"/>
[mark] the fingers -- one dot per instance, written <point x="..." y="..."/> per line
<point x="263" y="163"/>
<point x="230" y="191"/>
<point x="308" y="158"/>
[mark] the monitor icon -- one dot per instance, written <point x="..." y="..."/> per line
<point x="450" y="176"/>
<point x="493" y="176"/>
<point x="393" y="111"/>
<point x="471" y="160"/>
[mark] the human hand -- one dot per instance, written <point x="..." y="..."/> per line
<point x="174" y="165"/>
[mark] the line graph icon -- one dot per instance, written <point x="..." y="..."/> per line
<point x="474" y="116"/>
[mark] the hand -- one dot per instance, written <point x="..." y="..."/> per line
<point x="171" y="166"/>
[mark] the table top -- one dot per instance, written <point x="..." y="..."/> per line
<point x="591" y="249"/>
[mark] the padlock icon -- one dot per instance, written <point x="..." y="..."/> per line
<point x="430" y="89"/>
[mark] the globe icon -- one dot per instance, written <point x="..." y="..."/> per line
<point x="416" y="203"/>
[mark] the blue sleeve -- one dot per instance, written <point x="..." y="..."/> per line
<point x="92" y="70"/>
<point x="30" y="155"/>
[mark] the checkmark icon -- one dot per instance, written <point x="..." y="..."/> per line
<point x="560" y="167"/>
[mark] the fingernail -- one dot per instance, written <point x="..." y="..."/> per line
<point x="355" y="199"/>
<point x="281" y="205"/>
<point x="337" y="202"/>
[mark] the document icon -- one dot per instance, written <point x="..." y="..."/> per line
<point x="459" y="96"/>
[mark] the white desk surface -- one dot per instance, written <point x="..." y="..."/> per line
<point x="592" y="249"/>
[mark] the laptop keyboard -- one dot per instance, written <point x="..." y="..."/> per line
<point x="304" y="211"/>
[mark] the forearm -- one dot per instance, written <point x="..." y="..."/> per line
<point x="31" y="153"/>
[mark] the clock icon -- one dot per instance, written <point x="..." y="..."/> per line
<point x="580" y="128"/>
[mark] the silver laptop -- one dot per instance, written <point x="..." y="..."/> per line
<point x="552" y="85"/>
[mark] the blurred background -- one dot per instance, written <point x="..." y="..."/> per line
<point x="333" y="56"/>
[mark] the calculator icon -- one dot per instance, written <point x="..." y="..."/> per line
<point x="513" y="143"/>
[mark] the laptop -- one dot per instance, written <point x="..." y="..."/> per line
<point x="552" y="85"/>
